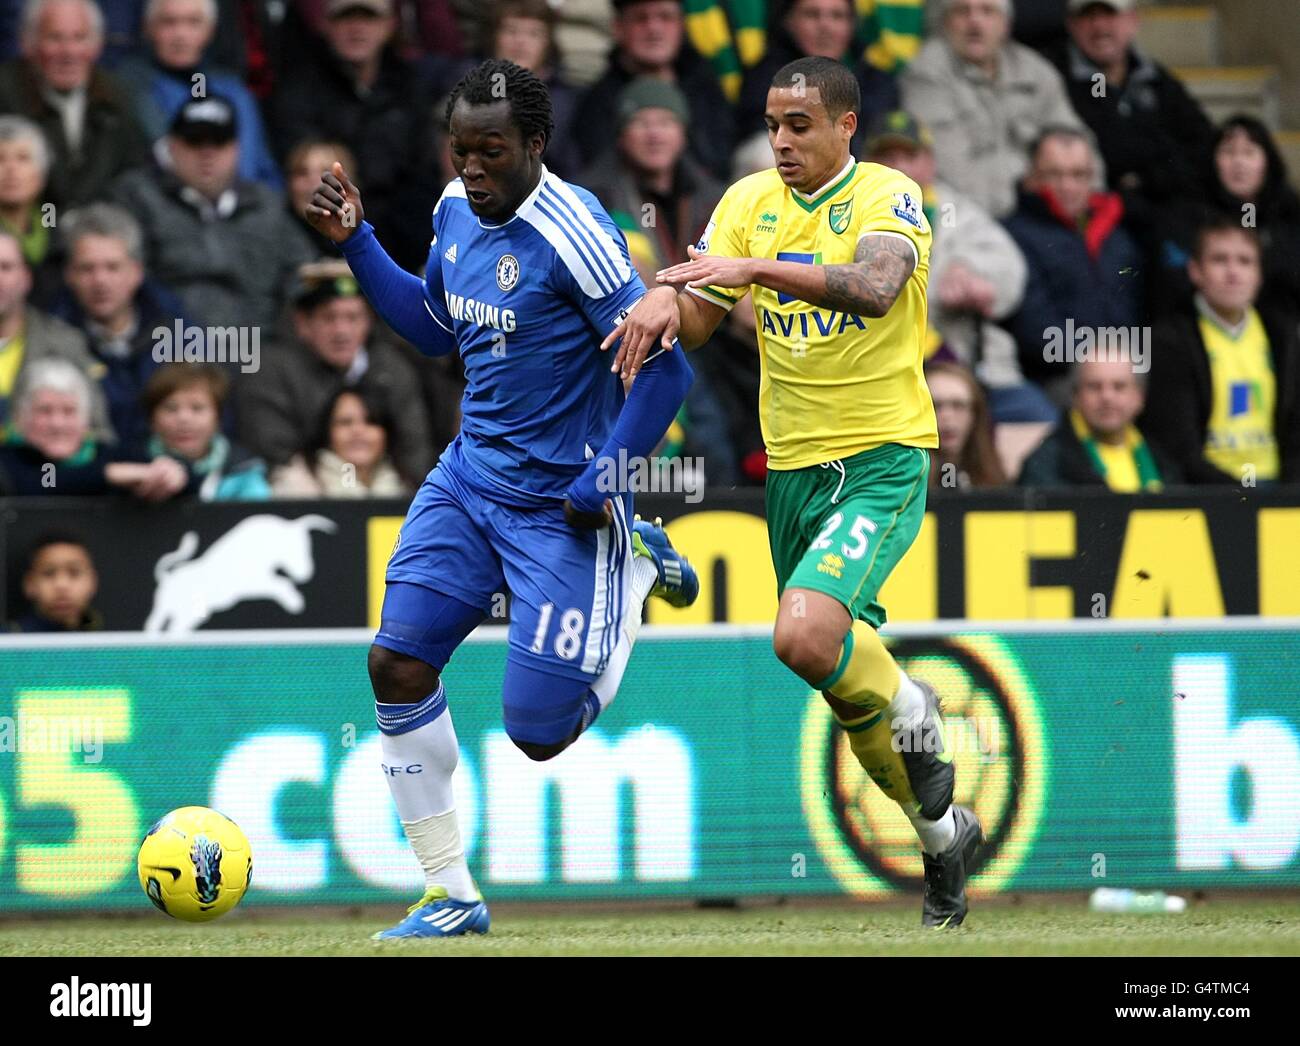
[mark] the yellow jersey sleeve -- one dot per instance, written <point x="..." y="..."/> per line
<point x="725" y="236"/>
<point x="888" y="201"/>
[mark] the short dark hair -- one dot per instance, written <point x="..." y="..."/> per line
<point x="497" y="79"/>
<point x="173" y="377"/>
<point x="837" y="86"/>
<point x="1219" y="225"/>
<point x="1058" y="130"/>
<point x="45" y="539"/>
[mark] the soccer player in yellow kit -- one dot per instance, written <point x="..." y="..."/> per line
<point x="835" y="254"/>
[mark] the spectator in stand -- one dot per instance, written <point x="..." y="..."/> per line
<point x="82" y="111"/>
<point x="224" y="245"/>
<point x="28" y="336"/>
<point x="183" y="402"/>
<point x="24" y="166"/>
<point x="986" y="100"/>
<point x="110" y="301"/>
<point x="822" y="28"/>
<point x="348" y="458"/>
<point x="60" y="583"/>
<point x="279" y="413"/>
<point x="425" y="28"/>
<point x="363" y="94"/>
<point x="966" y="457"/>
<point x="1246" y="180"/>
<point x="50" y="448"/>
<point x="173" y="71"/>
<point x="1152" y="135"/>
<point x="655" y="192"/>
<point x="650" y="40"/>
<point x="523" y="31"/>
<point x="582" y="35"/>
<point x="1225" y="375"/>
<point x="1097" y="442"/>
<point x="977" y="273"/>
<point x="302" y="170"/>
<point x="662" y="200"/>
<point x="1084" y="267"/>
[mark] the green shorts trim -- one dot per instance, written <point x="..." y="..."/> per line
<point x="841" y="528"/>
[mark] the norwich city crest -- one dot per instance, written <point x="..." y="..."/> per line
<point x="839" y="216"/>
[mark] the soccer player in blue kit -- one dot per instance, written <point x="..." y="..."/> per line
<point x="526" y="275"/>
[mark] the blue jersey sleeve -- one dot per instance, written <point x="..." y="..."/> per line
<point x="414" y="309"/>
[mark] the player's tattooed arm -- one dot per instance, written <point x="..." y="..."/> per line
<point x="867" y="286"/>
<point x="871" y="283"/>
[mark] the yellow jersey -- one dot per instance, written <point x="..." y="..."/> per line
<point x="1240" y="432"/>
<point x="833" y="384"/>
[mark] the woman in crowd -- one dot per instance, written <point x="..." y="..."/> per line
<point x="24" y="166"/>
<point x="350" y="457"/>
<point x="184" y="401"/>
<point x="1246" y="179"/>
<point x="49" y="449"/>
<point x="966" y="457"/>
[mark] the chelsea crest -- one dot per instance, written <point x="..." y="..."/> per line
<point x="507" y="271"/>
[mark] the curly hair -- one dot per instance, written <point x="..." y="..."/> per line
<point x="497" y="78"/>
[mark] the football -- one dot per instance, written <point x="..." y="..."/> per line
<point x="195" y="864"/>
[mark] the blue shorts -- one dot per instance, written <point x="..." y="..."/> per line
<point x="569" y="588"/>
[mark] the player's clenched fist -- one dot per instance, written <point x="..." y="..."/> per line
<point x="335" y="209"/>
<point x="581" y="520"/>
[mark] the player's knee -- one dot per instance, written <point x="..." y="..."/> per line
<point x="399" y="678"/>
<point x="539" y="753"/>
<point x="806" y="651"/>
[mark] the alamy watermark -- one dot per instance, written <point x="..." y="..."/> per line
<point x="1082" y="344"/>
<point x="36" y="733"/>
<point x="186" y="343"/>
<point x="640" y="475"/>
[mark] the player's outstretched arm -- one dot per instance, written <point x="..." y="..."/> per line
<point x="397" y="295"/>
<point x="660" y="316"/>
<point x="656" y="397"/>
<point x="867" y="286"/>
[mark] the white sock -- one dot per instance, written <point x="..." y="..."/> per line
<point x="908" y="705"/>
<point x="644" y="578"/>
<point x="420" y="754"/>
<point x="936" y="836"/>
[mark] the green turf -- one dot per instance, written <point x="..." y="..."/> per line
<point x="1036" y="926"/>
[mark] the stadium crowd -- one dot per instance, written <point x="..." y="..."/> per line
<point x="171" y="326"/>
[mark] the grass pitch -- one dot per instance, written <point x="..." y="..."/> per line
<point x="1033" y="925"/>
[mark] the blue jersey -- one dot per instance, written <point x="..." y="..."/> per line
<point x="529" y="301"/>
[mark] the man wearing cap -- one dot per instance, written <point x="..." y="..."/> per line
<point x="225" y="246"/>
<point x="650" y="168"/>
<point x="985" y="98"/>
<point x="977" y="273"/>
<point x="362" y="93"/>
<point x="1153" y="136"/>
<point x="650" y="40"/>
<point x="173" y="69"/>
<point x="83" y="111"/>
<point x="662" y="199"/>
<point x="280" y="412"/>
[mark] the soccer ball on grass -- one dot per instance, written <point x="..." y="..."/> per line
<point x="195" y="864"/>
